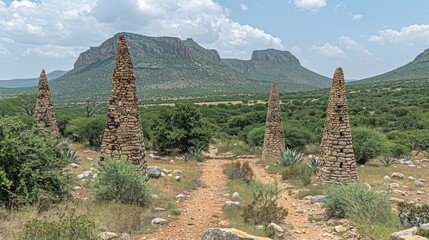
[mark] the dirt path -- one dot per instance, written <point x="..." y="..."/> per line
<point x="201" y="210"/>
<point x="299" y="210"/>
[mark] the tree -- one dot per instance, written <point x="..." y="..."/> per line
<point x="181" y="127"/>
<point x="368" y="143"/>
<point x="90" y="107"/>
<point x="31" y="166"/>
<point x="26" y="103"/>
<point x="89" y="129"/>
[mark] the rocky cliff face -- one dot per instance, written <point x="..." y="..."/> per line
<point x="142" y="45"/>
<point x="275" y="56"/>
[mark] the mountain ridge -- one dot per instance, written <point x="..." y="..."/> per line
<point x="30" y="82"/>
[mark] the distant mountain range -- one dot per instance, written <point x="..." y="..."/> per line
<point x="168" y="67"/>
<point x="416" y="69"/>
<point x="29" y="82"/>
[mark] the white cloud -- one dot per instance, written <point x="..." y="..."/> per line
<point x="244" y="7"/>
<point x="311" y="5"/>
<point x="54" y="51"/>
<point x="84" y="23"/>
<point x="350" y="44"/>
<point x="410" y="35"/>
<point x="357" y="17"/>
<point x="329" y="50"/>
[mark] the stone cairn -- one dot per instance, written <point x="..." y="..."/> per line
<point x="123" y="135"/>
<point x="44" y="113"/>
<point x="337" y="163"/>
<point x="274" y="139"/>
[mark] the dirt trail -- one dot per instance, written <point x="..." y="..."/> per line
<point x="201" y="210"/>
<point x="299" y="210"/>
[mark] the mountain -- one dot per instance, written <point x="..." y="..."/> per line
<point x="281" y="66"/>
<point x="417" y="69"/>
<point x="29" y="82"/>
<point x="167" y="67"/>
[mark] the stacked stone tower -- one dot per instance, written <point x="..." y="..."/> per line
<point x="337" y="163"/>
<point x="274" y="139"/>
<point x="123" y="135"/>
<point x="44" y="113"/>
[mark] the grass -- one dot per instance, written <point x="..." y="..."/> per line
<point x="110" y="216"/>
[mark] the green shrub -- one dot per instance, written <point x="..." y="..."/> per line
<point x="367" y="144"/>
<point x="423" y="233"/>
<point x="314" y="163"/>
<point x="355" y="201"/>
<point x="290" y="157"/>
<point x="263" y="209"/>
<point x="31" y="167"/>
<point x="396" y="150"/>
<point x="90" y="129"/>
<point x="181" y="127"/>
<point x="255" y="137"/>
<point x="121" y="181"/>
<point x="297" y="137"/>
<point x="299" y="172"/>
<point x="67" y="152"/>
<point x="413" y="215"/>
<point x="76" y="228"/>
<point x="237" y="171"/>
<point x="194" y="154"/>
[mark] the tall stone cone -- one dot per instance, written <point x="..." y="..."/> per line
<point x="337" y="162"/>
<point x="123" y="135"/>
<point x="44" y="113"/>
<point x="274" y="139"/>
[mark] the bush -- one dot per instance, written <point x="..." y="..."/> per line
<point x="255" y="137"/>
<point x="76" y="228"/>
<point x="290" y="157"/>
<point x="387" y="161"/>
<point x="355" y="201"/>
<point x="294" y="137"/>
<point x="299" y="172"/>
<point x="181" y="127"/>
<point x="90" y="129"/>
<point x="263" y="209"/>
<point x="121" y="181"/>
<point x="236" y="171"/>
<point x="412" y="215"/>
<point x="398" y="149"/>
<point x="31" y="167"/>
<point x="367" y="144"/>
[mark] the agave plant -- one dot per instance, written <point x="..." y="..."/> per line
<point x="290" y="157"/>
<point x="387" y="161"/>
<point x="314" y="162"/>
<point x="67" y="152"/>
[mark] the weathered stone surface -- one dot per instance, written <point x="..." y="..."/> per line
<point x="418" y="183"/>
<point x="337" y="162"/>
<point x="398" y="176"/>
<point x="123" y="135"/>
<point x="412" y="238"/>
<point x="228" y="234"/>
<point x="44" y="113"/>
<point x="317" y="199"/>
<point x="231" y="205"/>
<point x="274" y="139"/>
<point x="154" y="172"/>
<point x="159" y="221"/>
<point x="235" y="196"/>
<point x="407" y="232"/>
<point x="107" y="235"/>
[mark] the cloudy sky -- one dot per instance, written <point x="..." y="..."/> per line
<point x="365" y="37"/>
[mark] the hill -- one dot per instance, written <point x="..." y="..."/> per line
<point x="170" y="68"/>
<point x="416" y="69"/>
<point x="281" y="66"/>
<point x="29" y="82"/>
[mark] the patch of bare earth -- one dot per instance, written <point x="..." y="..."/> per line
<point x="201" y="210"/>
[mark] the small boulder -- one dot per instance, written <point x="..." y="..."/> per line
<point x="159" y="221"/>
<point x="386" y="178"/>
<point x="172" y="162"/>
<point x="154" y="172"/>
<point x="393" y="185"/>
<point x="155" y="196"/>
<point x="339" y="228"/>
<point x="77" y="188"/>
<point x="276" y="227"/>
<point x="178" y="178"/>
<point x="73" y="165"/>
<point x="317" y="199"/>
<point x="228" y="205"/>
<point x="228" y="234"/>
<point x="398" y="176"/>
<point x="407" y="232"/>
<point x="411" y="178"/>
<point x="158" y="209"/>
<point x="418" y="183"/>
<point x="177" y="172"/>
<point x="107" y="235"/>
<point x="180" y="197"/>
<point x="235" y="196"/>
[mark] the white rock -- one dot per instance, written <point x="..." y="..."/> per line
<point x="418" y="183"/>
<point x="276" y="227"/>
<point x="77" y="188"/>
<point x="180" y="197"/>
<point x="177" y="172"/>
<point x="420" y="192"/>
<point x="393" y="185"/>
<point x="317" y="199"/>
<point x="339" y="229"/>
<point x="177" y="178"/>
<point x="160" y="221"/>
<point x="158" y="209"/>
<point x="386" y="178"/>
<point x="231" y="205"/>
<point x="107" y="235"/>
<point x="411" y="178"/>
<point x="235" y="196"/>
<point x="155" y="196"/>
<point x="73" y="165"/>
<point x="397" y="175"/>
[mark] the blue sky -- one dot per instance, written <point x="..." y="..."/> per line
<point x="364" y="37"/>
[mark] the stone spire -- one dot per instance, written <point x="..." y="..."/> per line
<point x="44" y="113"/>
<point x="123" y="135"/>
<point x="337" y="162"/>
<point x="274" y="139"/>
